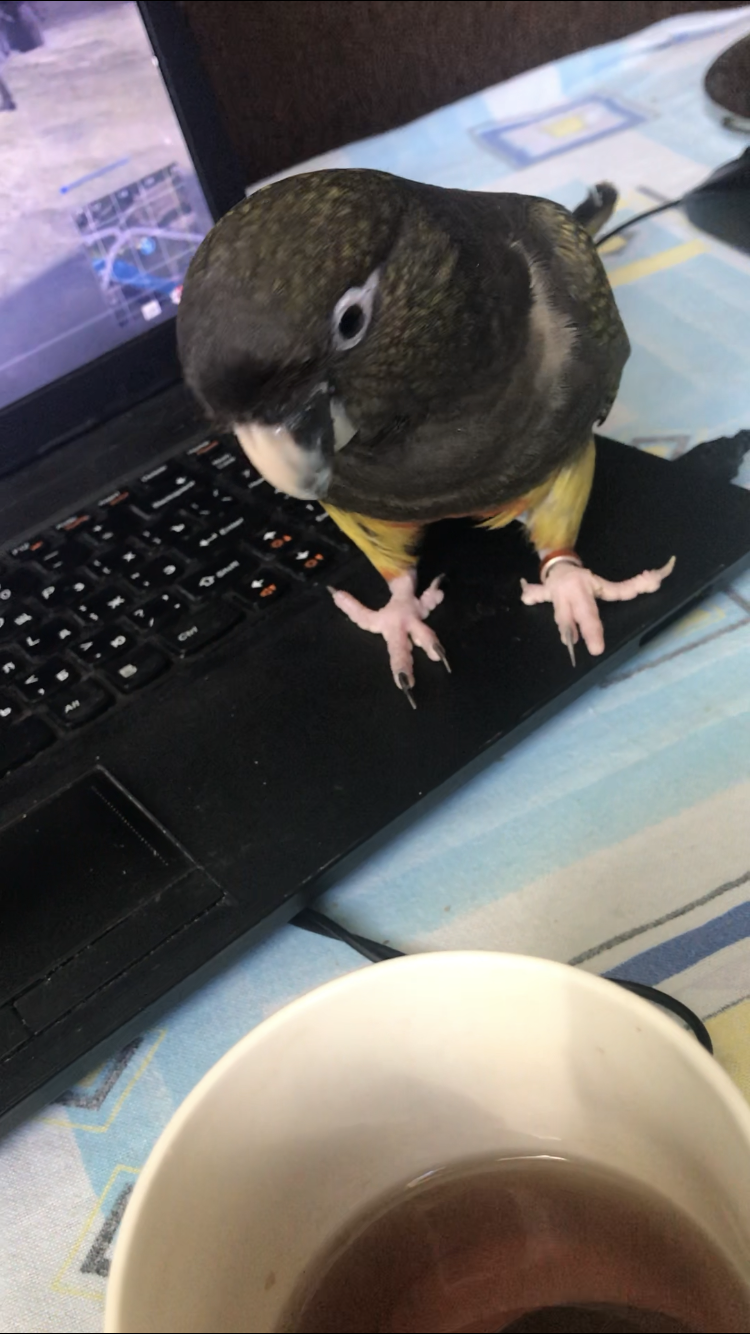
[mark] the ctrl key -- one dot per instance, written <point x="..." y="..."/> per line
<point x="200" y="628"/>
<point x="22" y="741"/>
<point x="136" y="669"/>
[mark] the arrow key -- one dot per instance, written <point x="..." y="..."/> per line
<point x="310" y="560"/>
<point x="261" y="589"/>
<point x="275" y="539"/>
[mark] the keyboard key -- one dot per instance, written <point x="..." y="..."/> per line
<point x="311" y="515"/>
<point x="162" y="487"/>
<point x="250" y="480"/>
<point x="171" y="531"/>
<point x="22" y="742"/>
<point x="75" y="523"/>
<point x="216" y="456"/>
<point x="34" y="548"/>
<point x="166" y="569"/>
<point x="159" y="611"/>
<point x="45" y="679"/>
<point x="304" y="511"/>
<point x="23" y="621"/>
<point x="9" y="710"/>
<point x="105" y="605"/>
<point x="66" y="558"/>
<point x="12" y="665"/>
<point x="323" y="524"/>
<point x="15" y="585"/>
<point x="67" y="594"/>
<point x="220" y="574"/>
<point x="103" y="645"/>
<point x="310" y="560"/>
<point x="136" y="669"/>
<point x="206" y="542"/>
<point x="78" y="705"/>
<point x="261" y="589"/>
<point x="233" y="525"/>
<point x="116" y="561"/>
<point x="205" y="624"/>
<point x="209" y="503"/>
<point x="274" y="538"/>
<point x="49" y="637"/>
<point x="113" y="519"/>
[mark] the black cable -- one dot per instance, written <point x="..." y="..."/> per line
<point x="675" y="1007"/>
<point x="320" y="925"/>
<point x="648" y="213"/>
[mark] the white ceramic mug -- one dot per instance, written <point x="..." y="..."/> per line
<point x="394" y="1070"/>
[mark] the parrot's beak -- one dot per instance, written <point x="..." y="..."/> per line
<point x="296" y="455"/>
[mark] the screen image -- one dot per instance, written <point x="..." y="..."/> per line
<point x="100" y="207"/>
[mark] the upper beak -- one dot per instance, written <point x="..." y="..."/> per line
<point x="311" y="428"/>
<point x="296" y="456"/>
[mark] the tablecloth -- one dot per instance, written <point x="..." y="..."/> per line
<point x="618" y="836"/>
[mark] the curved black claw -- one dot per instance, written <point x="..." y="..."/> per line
<point x="403" y="684"/>
<point x="567" y="639"/>
<point x="443" y="658"/>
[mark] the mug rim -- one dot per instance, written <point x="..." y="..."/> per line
<point x="660" y="1021"/>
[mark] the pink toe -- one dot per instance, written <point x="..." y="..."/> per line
<point x="424" y="638"/>
<point x="400" y="655"/>
<point x="364" y="617"/>
<point x="431" y="598"/>
<point x="532" y="594"/>
<point x="589" y="623"/>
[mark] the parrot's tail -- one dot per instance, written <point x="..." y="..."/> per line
<point x="597" y="208"/>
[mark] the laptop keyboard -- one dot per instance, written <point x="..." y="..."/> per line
<point x="99" y="605"/>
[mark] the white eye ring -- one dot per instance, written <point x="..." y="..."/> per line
<point x="352" y="314"/>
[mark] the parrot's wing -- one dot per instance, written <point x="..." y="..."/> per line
<point x="579" y="287"/>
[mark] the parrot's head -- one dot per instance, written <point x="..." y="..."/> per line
<point x="339" y="305"/>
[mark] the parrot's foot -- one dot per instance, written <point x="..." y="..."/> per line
<point x="401" y="623"/>
<point x="573" y="591"/>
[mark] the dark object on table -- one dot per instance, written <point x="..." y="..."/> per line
<point x="727" y="84"/>
<point x="719" y="459"/>
<point x="721" y="205"/>
<point x="594" y="1320"/>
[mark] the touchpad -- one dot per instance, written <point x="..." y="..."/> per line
<point x="74" y="868"/>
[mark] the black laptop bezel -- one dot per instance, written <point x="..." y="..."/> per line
<point x="127" y="375"/>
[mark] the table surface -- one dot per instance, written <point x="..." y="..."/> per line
<point x="618" y="836"/>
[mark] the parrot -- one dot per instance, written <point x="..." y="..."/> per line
<point x="405" y="353"/>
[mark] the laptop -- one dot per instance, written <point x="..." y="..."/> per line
<point x="193" y="741"/>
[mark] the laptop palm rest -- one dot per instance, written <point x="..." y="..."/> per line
<point x="91" y="883"/>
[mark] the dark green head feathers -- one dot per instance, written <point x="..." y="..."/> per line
<point x="399" y="349"/>
<point x="355" y="277"/>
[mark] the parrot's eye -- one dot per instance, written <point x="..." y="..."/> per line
<point x="352" y="314"/>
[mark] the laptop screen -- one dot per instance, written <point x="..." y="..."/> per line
<point x="100" y="206"/>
